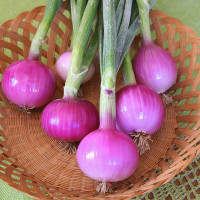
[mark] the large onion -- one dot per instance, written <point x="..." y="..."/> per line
<point x="139" y="109"/>
<point x="155" y="67"/>
<point x="28" y="83"/>
<point x="107" y="155"/>
<point x="69" y="119"/>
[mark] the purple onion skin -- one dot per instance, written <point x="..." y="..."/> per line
<point x="63" y="64"/>
<point x="155" y="67"/>
<point x="69" y="119"/>
<point x="139" y="109"/>
<point x="107" y="155"/>
<point x="28" y="83"/>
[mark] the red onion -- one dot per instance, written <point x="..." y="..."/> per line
<point x="155" y="67"/>
<point x="62" y="67"/>
<point x="28" y="83"/>
<point x="139" y="109"/>
<point x="69" y="119"/>
<point x="107" y="155"/>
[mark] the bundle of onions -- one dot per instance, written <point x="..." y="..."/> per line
<point x="70" y="119"/>
<point x="153" y="66"/>
<point x="29" y="83"/>
<point x="63" y="63"/>
<point x="107" y="155"/>
<point x="140" y="110"/>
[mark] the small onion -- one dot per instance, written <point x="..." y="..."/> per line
<point x="63" y="64"/>
<point x="69" y="119"/>
<point x="139" y="109"/>
<point x="107" y="155"/>
<point x="28" y="83"/>
<point x="154" y="67"/>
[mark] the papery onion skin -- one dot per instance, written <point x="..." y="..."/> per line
<point x="107" y="155"/>
<point x="139" y="109"/>
<point x="154" y="67"/>
<point x="69" y="119"/>
<point x="28" y="83"/>
<point x="63" y="64"/>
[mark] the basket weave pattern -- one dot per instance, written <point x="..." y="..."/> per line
<point x="32" y="162"/>
<point x="184" y="186"/>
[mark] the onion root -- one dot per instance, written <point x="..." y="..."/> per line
<point x="68" y="147"/>
<point x="26" y="110"/>
<point x="104" y="187"/>
<point x="167" y="99"/>
<point x="142" y="141"/>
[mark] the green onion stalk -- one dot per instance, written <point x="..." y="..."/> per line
<point x="79" y="66"/>
<point x="130" y="31"/>
<point x="107" y="145"/>
<point x="117" y="34"/>
<point x="77" y="10"/>
<point x="128" y="74"/>
<point x="91" y="50"/>
<point x="108" y="79"/>
<point x="139" y="8"/>
<point x="144" y="8"/>
<point x="62" y="66"/>
<point x="39" y="38"/>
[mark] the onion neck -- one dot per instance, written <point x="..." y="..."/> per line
<point x="128" y="74"/>
<point x="39" y="38"/>
<point x="77" y="71"/>
<point x="70" y="92"/>
<point x="108" y="81"/>
<point x="144" y="8"/>
<point x="107" y="101"/>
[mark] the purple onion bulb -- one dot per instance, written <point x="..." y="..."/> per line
<point x="107" y="155"/>
<point x="63" y="64"/>
<point x="155" y="67"/>
<point x="28" y="83"/>
<point x="69" y="119"/>
<point x="139" y="109"/>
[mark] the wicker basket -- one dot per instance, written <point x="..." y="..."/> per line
<point x="32" y="162"/>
